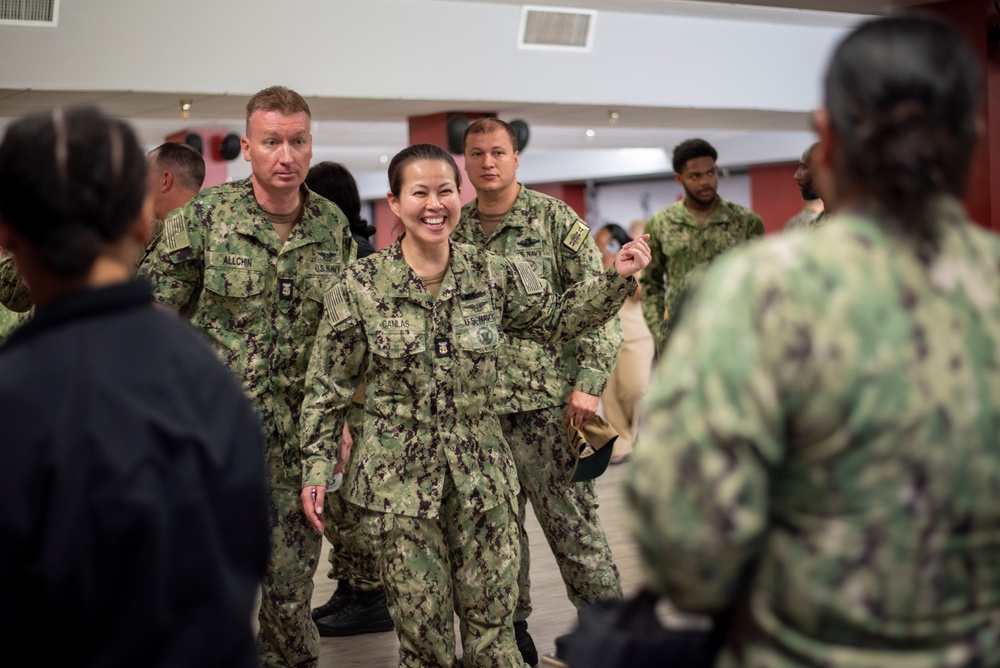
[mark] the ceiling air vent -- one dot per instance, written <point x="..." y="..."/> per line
<point x="29" y="12"/>
<point x="562" y="29"/>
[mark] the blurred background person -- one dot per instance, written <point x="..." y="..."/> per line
<point x="358" y="604"/>
<point x="811" y="214"/>
<point x="634" y="365"/>
<point x="133" y="499"/>
<point x="176" y="174"/>
<point x="821" y="453"/>
<point x="336" y="183"/>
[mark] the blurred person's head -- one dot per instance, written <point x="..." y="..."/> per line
<point x="611" y="238"/>
<point x="804" y="174"/>
<point x="176" y="174"/>
<point x="900" y="118"/>
<point x="696" y="172"/>
<point x="74" y="208"/>
<point x="334" y="181"/>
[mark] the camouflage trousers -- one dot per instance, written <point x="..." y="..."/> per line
<point x="288" y="635"/>
<point x="350" y="557"/>
<point x="460" y="562"/>
<point x="567" y="512"/>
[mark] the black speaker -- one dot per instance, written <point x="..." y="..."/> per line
<point x="194" y="141"/>
<point x="521" y="132"/>
<point x="229" y="147"/>
<point x="456" y="125"/>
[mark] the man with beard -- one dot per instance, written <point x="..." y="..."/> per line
<point x="685" y="237"/>
<point x="812" y="213"/>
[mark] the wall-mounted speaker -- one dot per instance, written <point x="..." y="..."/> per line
<point x="456" y="125"/>
<point x="229" y="147"/>
<point x="521" y="132"/>
<point x="193" y="140"/>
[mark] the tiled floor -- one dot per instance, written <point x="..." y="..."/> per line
<point x="553" y="614"/>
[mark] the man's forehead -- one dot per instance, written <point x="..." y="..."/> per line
<point x="276" y="121"/>
<point x="496" y="139"/>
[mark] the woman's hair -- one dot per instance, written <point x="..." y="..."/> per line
<point x="71" y="181"/>
<point x="617" y="233"/>
<point x="333" y="181"/>
<point x="902" y="95"/>
<point x="416" y="153"/>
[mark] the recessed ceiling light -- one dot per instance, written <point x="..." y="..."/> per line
<point x="590" y="133"/>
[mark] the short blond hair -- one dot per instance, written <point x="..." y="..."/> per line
<point x="277" y="98"/>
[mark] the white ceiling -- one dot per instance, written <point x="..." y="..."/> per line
<point x="359" y="131"/>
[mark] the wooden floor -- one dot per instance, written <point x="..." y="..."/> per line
<point x="553" y="614"/>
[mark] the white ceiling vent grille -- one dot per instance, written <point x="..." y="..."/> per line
<point x="29" y="12"/>
<point x="552" y="28"/>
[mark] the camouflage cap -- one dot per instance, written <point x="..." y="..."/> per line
<point x="591" y="447"/>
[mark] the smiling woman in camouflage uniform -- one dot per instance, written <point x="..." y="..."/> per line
<point x="422" y="321"/>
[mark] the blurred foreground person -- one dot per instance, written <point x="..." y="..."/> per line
<point x="822" y="449"/>
<point x="133" y="500"/>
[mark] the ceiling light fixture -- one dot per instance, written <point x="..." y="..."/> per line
<point x="613" y="117"/>
<point x="590" y="133"/>
<point x="185" y="109"/>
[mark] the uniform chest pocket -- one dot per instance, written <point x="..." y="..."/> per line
<point x="397" y="361"/>
<point x="477" y="326"/>
<point x="398" y="344"/>
<point x="233" y="300"/>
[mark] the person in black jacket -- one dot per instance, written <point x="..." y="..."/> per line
<point x="133" y="498"/>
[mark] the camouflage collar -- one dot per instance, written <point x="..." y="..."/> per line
<point x="413" y="288"/>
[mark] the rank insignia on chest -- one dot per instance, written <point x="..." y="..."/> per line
<point x="284" y="288"/>
<point x="442" y="347"/>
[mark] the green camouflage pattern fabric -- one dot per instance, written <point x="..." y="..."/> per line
<point x="431" y="370"/>
<point x="153" y="240"/>
<point x="566" y="511"/>
<point x="805" y="219"/>
<point x="536" y="383"/>
<point x="827" y="418"/>
<point x="463" y="562"/>
<point x="350" y="558"/>
<point x="259" y="302"/>
<point x="682" y="249"/>
<point x="14" y="293"/>
<point x="9" y="321"/>
<point x="548" y="235"/>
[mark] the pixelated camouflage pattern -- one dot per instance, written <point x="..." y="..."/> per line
<point x="464" y="562"/>
<point x="805" y="219"/>
<point x="431" y="373"/>
<point x="287" y="635"/>
<point x="350" y="557"/>
<point x="154" y="239"/>
<point x="14" y="294"/>
<point x="220" y="263"/>
<point x="259" y="301"/>
<point x="540" y="229"/>
<point x="9" y="321"/>
<point x="566" y="512"/>
<point x="682" y="249"/>
<point x="827" y="414"/>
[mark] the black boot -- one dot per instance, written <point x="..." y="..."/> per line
<point x="343" y="595"/>
<point x="366" y="612"/>
<point x="554" y="659"/>
<point x="525" y="644"/>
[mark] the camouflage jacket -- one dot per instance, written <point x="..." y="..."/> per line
<point x="9" y="321"/>
<point x="681" y="250"/>
<point x="431" y="372"/>
<point x="805" y="219"/>
<point x="220" y="263"/>
<point x="547" y="234"/>
<point x="14" y="294"/>
<point x="827" y="419"/>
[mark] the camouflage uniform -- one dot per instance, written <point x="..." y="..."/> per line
<point x="9" y="321"/>
<point x="805" y="219"/>
<point x="682" y="249"/>
<point x="826" y="418"/>
<point x="14" y="294"/>
<point x="533" y="391"/>
<point x="259" y="302"/>
<point x="438" y="481"/>
<point x="154" y="239"/>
